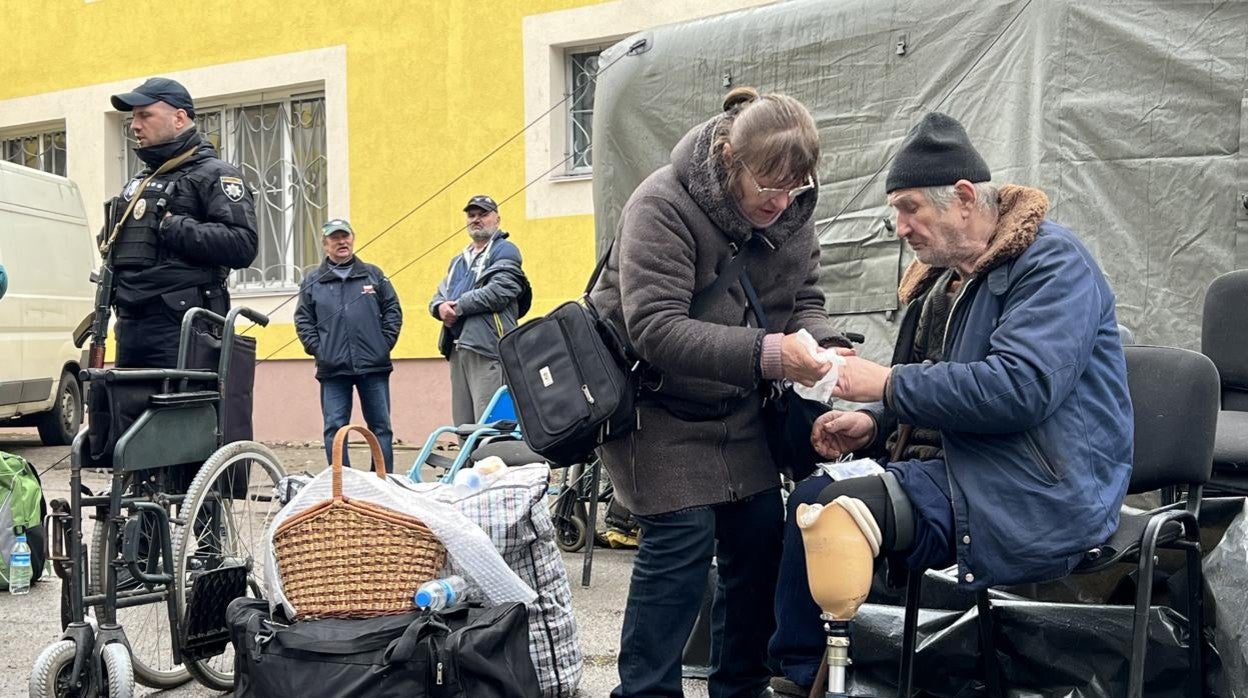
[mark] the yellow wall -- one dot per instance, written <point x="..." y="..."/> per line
<point x="431" y="88"/>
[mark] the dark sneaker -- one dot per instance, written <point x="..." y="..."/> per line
<point x="781" y="686"/>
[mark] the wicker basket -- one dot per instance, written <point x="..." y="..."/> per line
<point x="346" y="558"/>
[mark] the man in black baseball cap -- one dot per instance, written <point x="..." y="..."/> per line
<point x="170" y="92"/>
<point x="482" y="296"/>
<point x="482" y="202"/>
<point x="177" y="228"/>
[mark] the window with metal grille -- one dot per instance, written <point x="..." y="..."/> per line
<point x="581" y="69"/>
<point x="43" y="150"/>
<point x="279" y="145"/>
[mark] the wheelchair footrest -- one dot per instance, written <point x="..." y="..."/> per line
<point x="205" y="633"/>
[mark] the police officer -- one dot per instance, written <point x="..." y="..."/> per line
<point x="177" y="229"/>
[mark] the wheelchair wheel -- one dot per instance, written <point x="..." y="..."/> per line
<point x="571" y="534"/>
<point x="146" y="626"/>
<point x="568" y="512"/>
<point x="118" y="672"/>
<point x="223" y="522"/>
<point x="50" y="676"/>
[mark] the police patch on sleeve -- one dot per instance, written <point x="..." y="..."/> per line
<point x="233" y="188"/>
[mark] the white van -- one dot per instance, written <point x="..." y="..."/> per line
<point x="48" y="251"/>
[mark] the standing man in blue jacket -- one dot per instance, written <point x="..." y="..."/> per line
<point x="349" y="319"/>
<point x="1029" y="396"/>
<point x="483" y="295"/>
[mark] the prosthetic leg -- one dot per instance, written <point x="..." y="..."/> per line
<point x="842" y="540"/>
<point x="839" y="564"/>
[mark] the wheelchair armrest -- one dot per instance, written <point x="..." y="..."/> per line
<point x="127" y="375"/>
<point x="502" y="425"/>
<point x="188" y="398"/>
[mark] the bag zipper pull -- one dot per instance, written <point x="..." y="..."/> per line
<point x="588" y="396"/>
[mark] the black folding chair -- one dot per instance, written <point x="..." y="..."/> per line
<point x="1174" y="393"/>
<point x="1224" y="339"/>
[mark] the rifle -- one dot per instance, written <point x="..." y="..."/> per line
<point x="95" y="324"/>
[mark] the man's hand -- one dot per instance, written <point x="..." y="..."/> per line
<point x="448" y="312"/>
<point x="836" y="433"/>
<point x="860" y="380"/>
<point x="799" y="365"/>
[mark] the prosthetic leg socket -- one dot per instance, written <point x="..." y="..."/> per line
<point x="841" y="541"/>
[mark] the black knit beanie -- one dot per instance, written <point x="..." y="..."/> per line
<point x="937" y="153"/>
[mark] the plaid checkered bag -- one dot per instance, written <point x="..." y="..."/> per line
<point x="513" y="511"/>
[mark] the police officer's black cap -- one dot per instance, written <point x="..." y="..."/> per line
<point x="482" y="202"/>
<point x="170" y="92"/>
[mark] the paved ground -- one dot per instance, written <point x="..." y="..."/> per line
<point x="30" y="623"/>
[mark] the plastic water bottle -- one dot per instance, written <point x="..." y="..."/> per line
<point x="437" y="594"/>
<point x="466" y="482"/>
<point x="19" y="567"/>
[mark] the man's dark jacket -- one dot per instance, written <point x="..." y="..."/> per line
<point x="349" y="325"/>
<point x="210" y="230"/>
<point x="493" y="304"/>
<point x="1031" y="401"/>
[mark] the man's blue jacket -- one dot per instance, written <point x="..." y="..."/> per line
<point x="349" y="325"/>
<point x="1031" y="400"/>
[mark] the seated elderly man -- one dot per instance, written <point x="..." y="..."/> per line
<point x="1023" y="378"/>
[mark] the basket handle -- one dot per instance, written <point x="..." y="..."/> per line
<point x="340" y="443"/>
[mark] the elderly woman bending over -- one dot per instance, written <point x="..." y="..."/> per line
<point x="698" y="473"/>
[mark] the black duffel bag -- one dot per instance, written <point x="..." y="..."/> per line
<point x="462" y="652"/>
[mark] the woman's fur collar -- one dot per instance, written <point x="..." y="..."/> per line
<point x="1021" y="211"/>
<point x="702" y="173"/>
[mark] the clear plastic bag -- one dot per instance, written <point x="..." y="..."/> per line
<point x="848" y="468"/>
<point x="466" y="544"/>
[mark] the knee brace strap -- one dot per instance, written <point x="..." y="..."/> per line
<point x="903" y="513"/>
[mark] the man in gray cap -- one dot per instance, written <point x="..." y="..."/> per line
<point x="177" y="228"/>
<point x="1026" y="391"/>
<point x="349" y="318"/>
<point x="481" y="297"/>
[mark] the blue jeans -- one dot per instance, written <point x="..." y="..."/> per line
<point x="665" y="594"/>
<point x="799" y="641"/>
<point x="374" y="390"/>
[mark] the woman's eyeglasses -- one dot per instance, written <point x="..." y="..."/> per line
<point x="772" y="192"/>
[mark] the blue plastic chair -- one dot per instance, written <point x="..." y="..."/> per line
<point x="499" y="420"/>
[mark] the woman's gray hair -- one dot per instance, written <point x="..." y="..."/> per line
<point x="986" y="196"/>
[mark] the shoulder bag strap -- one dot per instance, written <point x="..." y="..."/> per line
<point x="728" y="276"/>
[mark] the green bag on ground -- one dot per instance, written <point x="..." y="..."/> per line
<point x="22" y="509"/>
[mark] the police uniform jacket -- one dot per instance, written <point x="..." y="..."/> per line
<point x="210" y="229"/>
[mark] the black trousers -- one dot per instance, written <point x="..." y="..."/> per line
<point x="147" y="336"/>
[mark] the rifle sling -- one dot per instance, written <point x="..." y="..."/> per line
<point x="168" y="165"/>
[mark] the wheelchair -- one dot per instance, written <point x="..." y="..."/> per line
<point x="179" y="532"/>
<point x="569" y="510"/>
<point x="499" y="430"/>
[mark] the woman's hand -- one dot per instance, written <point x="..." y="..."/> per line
<point x="799" y="365"/>
<point x="836" y="433"/>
